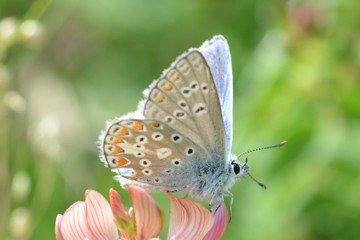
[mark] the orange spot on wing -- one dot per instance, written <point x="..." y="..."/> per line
<point x="138" y="126"/>
<point x="118" y="150"/>
<point x="167" y="87"/>
<point x="117" y="140"/>
<point x="155" y="124"/>
<point x="174" y="76"/>
<point x="183" y="66"/>
<point x="121" y="162"/>
<point x="123" y="132"/>
<point x="160" y="98"/>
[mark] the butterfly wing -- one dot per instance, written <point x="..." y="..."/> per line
<point x="185" y="97"/>
<point x="150" y="154"/>
<point x="185" y="103"/>
<point x="217" y="55"/>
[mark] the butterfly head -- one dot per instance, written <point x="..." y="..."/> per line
<point x="239" y="170"/>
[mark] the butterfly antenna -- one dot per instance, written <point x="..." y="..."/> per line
<point x="254" y="179"/>
<point x="258" y="149"/>
<point x="263" y="148"/>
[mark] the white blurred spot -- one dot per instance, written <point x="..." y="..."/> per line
<point x="20" y="186"/>
<point x="46" y="135"/>
<point x="8" y="31"/>
<point x="14" y="101"/>
<point x="19" y="223"/>
<point x="32" y="33"/>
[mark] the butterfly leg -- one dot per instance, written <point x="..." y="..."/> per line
<point x="227" y="193"/>
<point x="214" y="209"/>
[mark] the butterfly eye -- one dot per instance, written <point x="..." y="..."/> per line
<point x="236" y="168"/>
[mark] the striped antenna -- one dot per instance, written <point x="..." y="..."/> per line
<point x="263" y="148"/>
<point x="258" y="149"/>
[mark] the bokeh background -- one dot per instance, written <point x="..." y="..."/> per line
<point x="68" y="66"/>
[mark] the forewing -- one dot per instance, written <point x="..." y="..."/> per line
<point x="185" y="97"/>
<point x="217" y="55"/>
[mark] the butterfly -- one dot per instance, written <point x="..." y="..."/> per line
<point x="180" y="137"/>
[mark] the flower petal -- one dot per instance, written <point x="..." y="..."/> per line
<point x="118" y="208"/>
<point x="148" y="215"/>
<point x="74" y="224"/>
<point x="99" y="216"/>
<point x="58" y="234"/>
<point x="189" y="219"/>
<point x="123" y="220"/>
<point x="91" y="219"/>
<point x="221" y="215"/>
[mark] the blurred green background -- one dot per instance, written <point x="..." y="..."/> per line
<point x="68" y="66"/>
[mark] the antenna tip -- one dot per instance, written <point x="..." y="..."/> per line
<point x="262" y="185"/>
<point x="282" y="143"/>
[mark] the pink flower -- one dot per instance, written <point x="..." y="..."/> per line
<point x="144" y="222"/>
<point x="92" y="219"/>
<point x="97" y="219"/>
<point x="221" y="216"/>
